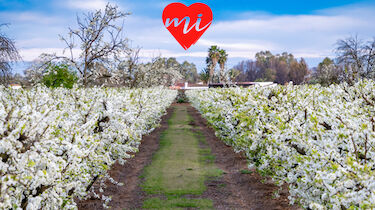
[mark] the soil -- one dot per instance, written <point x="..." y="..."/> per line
<point x="233" y="190"/>
<point x="130" y="195"/>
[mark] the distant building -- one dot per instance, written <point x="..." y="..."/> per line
<point x="242" y="84"/>
<point x="15" y="86"/>
<point x="187" y="86"/>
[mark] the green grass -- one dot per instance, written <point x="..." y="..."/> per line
<point x="180" y="167"/>
<point x="177" y="203"/>
<point x="246" y="171"/>
<point x="222" y="185"/>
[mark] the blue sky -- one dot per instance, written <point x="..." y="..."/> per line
<point x="307" y="29"/>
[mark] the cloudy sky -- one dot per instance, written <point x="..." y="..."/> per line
<point x="307" y="29"/>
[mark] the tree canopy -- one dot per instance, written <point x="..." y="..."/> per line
<point x="279" y="68"/>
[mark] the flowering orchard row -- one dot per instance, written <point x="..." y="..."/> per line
<point x="55" y="143"/>
<point x="318" y="140"/>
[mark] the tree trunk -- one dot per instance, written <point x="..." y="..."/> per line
<point x="222" y="72"/>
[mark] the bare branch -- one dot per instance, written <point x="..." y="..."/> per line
<point x="8" y="54"/>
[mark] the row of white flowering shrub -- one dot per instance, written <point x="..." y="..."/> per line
<point x="318" y="140"/>
<point x="55" y="143"/>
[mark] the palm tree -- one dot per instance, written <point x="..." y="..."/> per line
<point x="212" y="59"/>
<point x="204" y="75"/>
<point x="223" y="57"/>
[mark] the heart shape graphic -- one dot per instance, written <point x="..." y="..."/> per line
<point x="187" y="24"/>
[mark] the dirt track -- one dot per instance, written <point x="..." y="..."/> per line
<point x="234" y="190"/>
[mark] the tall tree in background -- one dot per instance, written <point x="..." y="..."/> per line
<point x="233" y="74"/>
<point x="127" y="70"/>
<point x="212" y="59"/>
<point x="326" y="73"/>
<point x="204" y="75"/>
<point x="155" y="73"/>
<point x="282" y="72"/>
<point x="223" y="57"/>
<point x="248" y="71"/>
<point x="186" y="69"/>
<point x="298" y="71"/>
<point x="279" y="68"/>
<point x="189" y="72"/>
<point x="357" y="58"/>
<point x="266" y="61"/>
<point x="8" y="54"/>
<point x="100" y="40"/>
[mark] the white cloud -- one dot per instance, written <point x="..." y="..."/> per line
<point x="310" y="36"/>
<point x="254" y="45"/>
<point x="152" y="53"/>
<point x="29" y="18"/>
<point x="33" y="53"/>
<point x="87" y="4"/>
<point x="291" y="24"/>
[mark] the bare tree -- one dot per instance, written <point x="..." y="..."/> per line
<point x="35" y="72"/>
<point x="8" y="54"/>
<point x="369" y="58"/>
<point x="100" y="40"/>
<point x="125" y="75"/>
<point x="357" y="58"/>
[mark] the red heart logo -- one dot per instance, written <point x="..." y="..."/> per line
<point x="187" y="24"/>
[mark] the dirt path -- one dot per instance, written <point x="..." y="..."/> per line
<point x="175" y="180"/>
<point x="130" y="195"/>
<point x="179" y="169"/>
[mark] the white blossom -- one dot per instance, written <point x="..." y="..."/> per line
<point x="54" y="142"/>
<point x="319" y="140"/>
